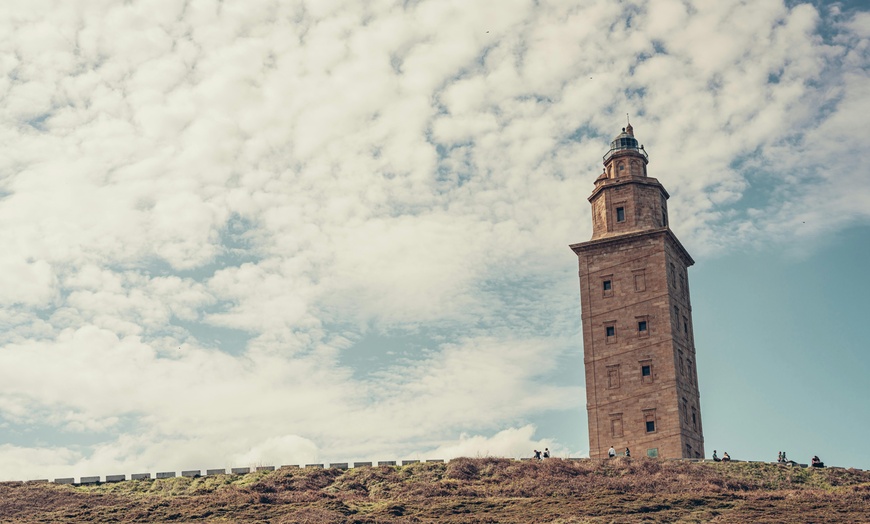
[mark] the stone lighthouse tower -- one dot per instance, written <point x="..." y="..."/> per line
<point x="639" y="349"/>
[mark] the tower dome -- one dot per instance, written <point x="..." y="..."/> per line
<point x="625" y="143"/>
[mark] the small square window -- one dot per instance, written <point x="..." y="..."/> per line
<point x="620" y="214"/>
<point x="610" y="330"/>
<point x="649" y="416"/>
<point x="607" y="285"/>
<point x="641" y="326"/>
<point x="646" y="371"/>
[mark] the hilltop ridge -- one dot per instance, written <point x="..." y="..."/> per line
<point x="465" y="490"/>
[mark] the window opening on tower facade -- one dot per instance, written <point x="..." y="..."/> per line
<point x="613" y="377"/>
<point x="620" y="214"/>
<point x="642" y="325"/>
<point x="616" y="425"/>
<point x="649" y="417"/>
<point x="639" y="280"/>
<point x="646" y="371"/>
<point x="607" y="285"/>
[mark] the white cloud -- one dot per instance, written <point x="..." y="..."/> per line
<point x="512" y="443"/>
<point x="30" y="283"/>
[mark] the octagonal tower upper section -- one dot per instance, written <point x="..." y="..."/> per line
<point x="625" y="200"/>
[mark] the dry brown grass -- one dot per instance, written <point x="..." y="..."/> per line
<point x="465" y="490"/>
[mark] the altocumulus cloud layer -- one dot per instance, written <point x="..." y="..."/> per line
<point x="249" y="232"/>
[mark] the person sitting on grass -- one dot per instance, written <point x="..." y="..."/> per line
<point x="716" y="457"/>
<point x="627" y="452"/>
<point x="611" y="452"/>
<point x="785" y="460"/>
<point x="726" y="457"/>
<point x="816" y="462"/>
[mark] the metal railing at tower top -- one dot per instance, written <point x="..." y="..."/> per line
<point x="618" y="149"/>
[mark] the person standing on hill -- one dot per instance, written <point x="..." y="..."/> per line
<point x="537" y="454"/>
<point x="627" y="452"/>
<point x="611" y="452"/>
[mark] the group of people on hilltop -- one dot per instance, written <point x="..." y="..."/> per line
<point x="725" y="457"/>
<point x="611" y="453"/>
<point x="538" y="455"/>
<point x="542" y="454"/>
<point x="781" y="458"/>
<point x="815" y="462"/>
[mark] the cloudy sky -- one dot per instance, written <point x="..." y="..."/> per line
<point x="238" y="233"/>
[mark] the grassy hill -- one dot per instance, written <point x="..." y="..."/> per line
<point x="468" y="491"/>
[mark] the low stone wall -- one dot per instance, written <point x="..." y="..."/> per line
<point x="194" y="473"/>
